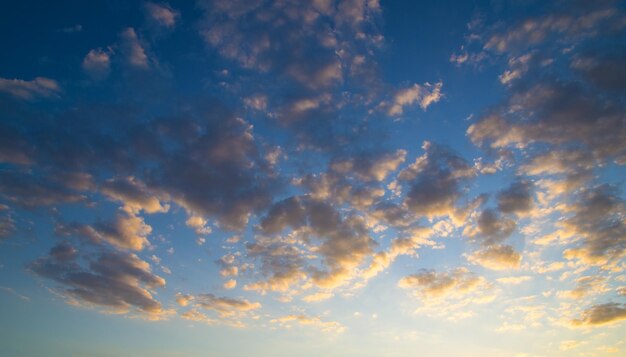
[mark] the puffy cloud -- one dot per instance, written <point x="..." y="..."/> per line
<point x="318" y="229"/>
<point x="562" y="113"/>
<point x="199" y="224"/>
<point x="603" y="314"/>
<point x="116" y="281"/>
<point x="585" y="285"/>
<point x="326" y="326"/>
<point x="97" y="63"/>
<point x="162" y="14"/>
<point x="34" y="190"/>
<point x="227" y="263"/>
<point x="134" y="195"/>
<point x="430" y="284"/>
<point x="38" y="87"/>
<point x="218" y="173"/>
<point x="517" y="198"/>
<point x="496" y="257"/>
<point x="580" y="110"/>
<point x="598" y="218"/>
<point x="491" y="228"/>
<point x="298" y="39"/>
<point x="369" y="167"/>
<point x="228" y="311"/>
<point x="133" y="49"/>
<point x="127" y="231"/>
<point x="195" y="315"/>
<point x="605" y="70"/>
<point x="568" y="26"/>
<point x="230" y="284"/>
<point x="183" y="299"/>
<point x="423" y="95"/>
<point x="282" y="260"/>
<point x="435" y="179"/>
<point x="225" y="307"/>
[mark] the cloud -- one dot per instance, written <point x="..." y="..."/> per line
<point x="434" y="181"/>
<point x="116" y="281"/>
<point x="195" y="315"/>
<point x="218" y="173"/>
<point x="36" y="190"/>
<point x="369" y="167"/>
<point x="229" y="311"/>
<point x="300" y="40"/>
<point x="14" y="293"/>
<point x="72" y="29"/>
<point x="562" y="113"/>
<point x="183" y="300"/>
<point x="344" y="241"/>
<point x="40" y="87"/>
<point x="599" y="315"/>
<point x="7" y="224"/>
<point x="560" y="92"/>
<point x="133" y="194"/>
<point x="496" y="257"/>
<point x="585" y="286"/>
<point x="514" y="280"/>
<point x="199" y="224"/>
<point x="282" y="262"/>
<point x="604" y="70"/>
<point x="97" y="63"/>
<point x="567" y="26"/>
<point x="133" y="49"/>
<point x="325" y="326"/>
<point x="126" y="231"/>
<point x="429" y="284"/>
<point x="517" y="198"/>
<point x="162" y="14"/>
<point x="230" y="284"/>
<point x="225" y="307"/>
<point x="424" y="95"/>
<point x="491" y="228"/>
<point x="598" y="220"/>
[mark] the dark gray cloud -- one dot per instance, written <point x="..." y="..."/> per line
<point x="598" y="218"/>
<point x="605" y="70"/>
<point x="602" y="314"/>
<point x="492" y="228"/>
<point x="126" y="231"/>
<point x="369" y="167"/>
<point x="208" y="162"/>
<point x="342" y="241"/>
<point x="517" y="198"/>
<point x="430" y="284"/>
<point x="435" y="181"/>
<point x="116" y="281"/>
<point x="23" y="189"/>
<point x="581" y="110"/>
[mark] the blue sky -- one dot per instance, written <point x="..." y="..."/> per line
<point x="340" y="178"/>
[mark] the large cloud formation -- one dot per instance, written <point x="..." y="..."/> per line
<point x="112" y="280"/>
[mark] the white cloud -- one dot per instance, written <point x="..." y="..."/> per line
<point x="423" y="95"/>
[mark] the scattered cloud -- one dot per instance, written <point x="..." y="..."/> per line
<point x="40" y="87"/>
<point x="162" y="14"/>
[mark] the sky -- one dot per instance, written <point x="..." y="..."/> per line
<point x="313" y="178"/>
